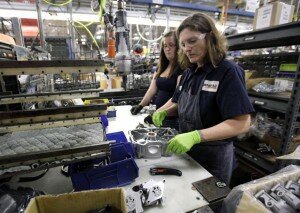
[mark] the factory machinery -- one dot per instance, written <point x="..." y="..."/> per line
<point x="39" y="138"/>
<point x="47" y="137"/>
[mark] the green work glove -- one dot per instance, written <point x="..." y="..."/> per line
<point x="158" y="117"/>
<point x="183" y="142"/>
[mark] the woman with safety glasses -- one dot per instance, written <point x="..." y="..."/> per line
<point x="211" y="100"/>
<point x="166" y="78"/>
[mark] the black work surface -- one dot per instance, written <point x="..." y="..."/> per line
<point x="209" y="189"/>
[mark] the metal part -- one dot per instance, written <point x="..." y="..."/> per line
<point x="123" y="61"/>
<point x="293" y="187"/>
<point x="40" y="22"/>
<point x="23" y="98"/>
<point x="54" y="117"/>
<point x="50" y="67"/>
<point x="146" y="194"/>
<point x="151" y="142"/>
<point x="133" y="201"/>
<point x="153" y="192"/>
<point x="271" y="203"/>
<point x="48" y="159"/>
<point x="287" y="196"/>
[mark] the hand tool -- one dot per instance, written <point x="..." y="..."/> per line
<point x="165" y="171"/>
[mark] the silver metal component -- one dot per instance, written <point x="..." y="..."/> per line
<point x="272" y="204"/>
<point x="123" y="58"/>
<point x="133" y="201"/>
<point x="293" y="187"/>
<point x="151" y="142"/>
<point x="154" y="192"/>
<point x="146" y="194"/>
<point x="287" y="196"/>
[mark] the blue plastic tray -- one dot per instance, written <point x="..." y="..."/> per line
<point x="121" y="170"/>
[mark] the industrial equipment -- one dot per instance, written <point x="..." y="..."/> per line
<point x="123" y="61"/>
<point x="35" y="139"/>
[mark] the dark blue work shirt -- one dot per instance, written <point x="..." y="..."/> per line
<point x="166" y="87"/>
<point x="223" y="94"/>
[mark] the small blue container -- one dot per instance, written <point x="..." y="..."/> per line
<point x="120" y="137"/>
<point x="122" y="170"/>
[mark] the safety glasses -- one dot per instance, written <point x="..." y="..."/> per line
<point x="192" y="41"/>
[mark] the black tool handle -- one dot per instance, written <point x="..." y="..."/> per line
<point x="165" y="171"/>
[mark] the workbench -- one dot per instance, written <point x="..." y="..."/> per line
<point x="179" y="193"/>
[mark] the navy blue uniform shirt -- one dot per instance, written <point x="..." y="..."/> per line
<point x="166" y="87"/>
<point x="223" y="94"/>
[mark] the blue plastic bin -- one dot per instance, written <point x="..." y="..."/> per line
<point x="120" y="137"/>
<point x="121" y="171"/>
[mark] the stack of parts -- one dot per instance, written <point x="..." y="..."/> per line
<point x="278" y="192"/>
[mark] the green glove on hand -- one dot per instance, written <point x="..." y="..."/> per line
<point x="183" y="142"/>
<point x="158" y="117"/>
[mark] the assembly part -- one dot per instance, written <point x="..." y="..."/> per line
<point x="154" y="193"/>
<point x="151" y="142"/>
<point x="293" y="187"/>
<point x="133" y="201"/>
<point x="271" y="203"/>
<point x="287" y="196"/>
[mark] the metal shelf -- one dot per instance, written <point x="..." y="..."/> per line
<point x="275" y="102"/>
<point x="50" y="67"/>
<point x="12" y="99"/>
<point x="246" y="150"/>
<point x="282" y="35"/>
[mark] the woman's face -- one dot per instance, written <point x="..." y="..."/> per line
<point x="193" y="45"/>
<point x="169" y="46"/>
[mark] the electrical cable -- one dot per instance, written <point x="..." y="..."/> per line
<point x="138" y="30"/>
<point x="58" y="5"/>
<point x="88" y="24"/>
<point x="89" y="32"/>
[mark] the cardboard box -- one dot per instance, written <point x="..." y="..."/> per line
<point x="78" y="202"/>
<point x="273" y="14"/>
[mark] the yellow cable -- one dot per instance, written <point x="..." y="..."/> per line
<point x="88" y="24"/>
<point x="89" y="32"/>
<point x="61" y="4"/>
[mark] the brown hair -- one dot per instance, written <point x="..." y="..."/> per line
<point x="163" y="61"/>
<point x="215" y="42"/>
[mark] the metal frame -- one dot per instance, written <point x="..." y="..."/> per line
<point x="53" y="158"/>
<point x="50" y="67"/>
<point x="12" y="99"/>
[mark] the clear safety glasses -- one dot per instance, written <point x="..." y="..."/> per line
<point x="192" y="41"/>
